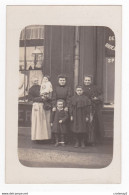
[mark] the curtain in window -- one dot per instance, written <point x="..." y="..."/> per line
<point x="32" y="32"/>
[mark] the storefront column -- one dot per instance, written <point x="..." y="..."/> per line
<point x="76" y="57"/>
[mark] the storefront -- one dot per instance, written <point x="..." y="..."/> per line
<point x="75" y="51"/>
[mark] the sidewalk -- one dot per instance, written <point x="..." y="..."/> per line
<point x="44" y="154"/>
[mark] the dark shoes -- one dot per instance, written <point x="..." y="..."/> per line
<point x="56" y="144"/>
<point x="82" y="144"/>
<point x="76" y="144"/>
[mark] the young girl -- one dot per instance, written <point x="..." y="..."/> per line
<point x="79" y="115"/>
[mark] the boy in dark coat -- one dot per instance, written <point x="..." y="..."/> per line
<point x="79" y="115"/>
<point x="96" y="97"/>
<point x="58" y="123"/>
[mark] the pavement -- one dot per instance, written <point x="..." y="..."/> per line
<point x="45" y="154"/>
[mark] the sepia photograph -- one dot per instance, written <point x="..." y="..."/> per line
<point x="66" y="96"/>
<point x="63" y="94"/>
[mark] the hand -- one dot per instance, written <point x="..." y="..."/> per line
<point x="42" y="97"/>
<point x="66" y="109"/>
<point x="51" y="124"/>
<point x="60" y="121"/>
<point x="71" y="118"/>
<point x="95" y="98"/>
<point x="87" y="119"/>
<point x="91" y="117"/>
<point x="54" y="109"/>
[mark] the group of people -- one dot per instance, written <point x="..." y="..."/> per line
<point x="56" y="113"/>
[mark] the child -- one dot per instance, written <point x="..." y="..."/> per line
<point x="79" y="116"/>
<point x="46" y="92"/>
<point x="46" y="86"/>
<point x="58" y="122"/>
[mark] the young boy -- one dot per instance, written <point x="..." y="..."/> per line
<point x="58" y="122"/>
<point x="79" y="115"/>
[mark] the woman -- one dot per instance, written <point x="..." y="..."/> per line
<point x="96" y="127"/>
<point x="40" y="124"/>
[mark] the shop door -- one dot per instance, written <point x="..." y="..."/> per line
<point x="59" y="53"/>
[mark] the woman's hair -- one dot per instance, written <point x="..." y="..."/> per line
<point x="62" y="76"/>
<point x="91" y="76"/>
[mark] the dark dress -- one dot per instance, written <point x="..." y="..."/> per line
<point x="61" y="92"/>
<point x="57" y="127"/>
<point x="96" y="128"/>
<point x="79" y="109"/>
<point x="34" y="93"/>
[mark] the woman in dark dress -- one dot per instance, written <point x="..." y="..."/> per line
<point x="96" y="127"/>
<point x="62" y="91"/>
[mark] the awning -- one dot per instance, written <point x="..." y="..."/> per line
<point x="32" y="32"/>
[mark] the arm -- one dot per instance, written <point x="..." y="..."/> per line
<point x="97" y="94"/>
<point x="54" y="98"/>
<point x="52" y="116"/>
<point x="69" y="94"/>
<point x="30" y="95"/>
<point x="71" y="110"/>
<point x="65" y="117"/>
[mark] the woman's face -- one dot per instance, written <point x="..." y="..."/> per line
<point x="35" y="81"/>
<point x="62" y="81"/>
<point x="87" y="81"/>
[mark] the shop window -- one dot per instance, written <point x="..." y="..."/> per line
<point x="31" y="58"/>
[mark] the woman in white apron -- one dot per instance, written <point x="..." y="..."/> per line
<point x="40" y="121"/>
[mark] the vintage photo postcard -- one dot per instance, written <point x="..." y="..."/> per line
<point x="63" y="94"/>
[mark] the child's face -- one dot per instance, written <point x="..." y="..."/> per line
<point x="60" y="104"/>
<point x="79" y="91"/>
<point x="45" y="79"/>
<point x="87" y="80"/>
<point x="62" y="81"/>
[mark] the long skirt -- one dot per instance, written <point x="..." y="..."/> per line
<point x="40" y="124"/>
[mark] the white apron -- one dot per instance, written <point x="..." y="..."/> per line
<point x="40" y="124"/>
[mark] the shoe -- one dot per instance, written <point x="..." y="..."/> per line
<point x="63" y="144"/>
<point x="56" y="144"/>
<point x="82" y="144"/>
<point x="76" y="145"/>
